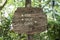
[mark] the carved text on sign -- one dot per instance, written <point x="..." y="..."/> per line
<point x="29" y="20"/>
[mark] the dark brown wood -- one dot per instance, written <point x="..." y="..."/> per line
<point x="30" y="37"/>
<point x="28" y="3"/>
<point x="29" y="20"/>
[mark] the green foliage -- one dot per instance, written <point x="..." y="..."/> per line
<point x="2" y="2"/>
<point x="53" y="17"/>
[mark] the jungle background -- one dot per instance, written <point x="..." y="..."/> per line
<point x="50" y="7"/>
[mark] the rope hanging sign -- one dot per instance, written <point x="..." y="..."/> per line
<point x="29" y="20"/>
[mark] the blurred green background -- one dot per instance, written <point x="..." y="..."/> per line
<point x="50" y="7"/>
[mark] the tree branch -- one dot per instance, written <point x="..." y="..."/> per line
<point x="3" y="5"/>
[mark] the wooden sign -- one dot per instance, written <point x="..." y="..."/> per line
<point x="29" y="20"/>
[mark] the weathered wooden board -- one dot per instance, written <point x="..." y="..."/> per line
<point x="29" y="20"/>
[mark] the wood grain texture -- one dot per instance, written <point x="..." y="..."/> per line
<point x="29" y="20"/>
